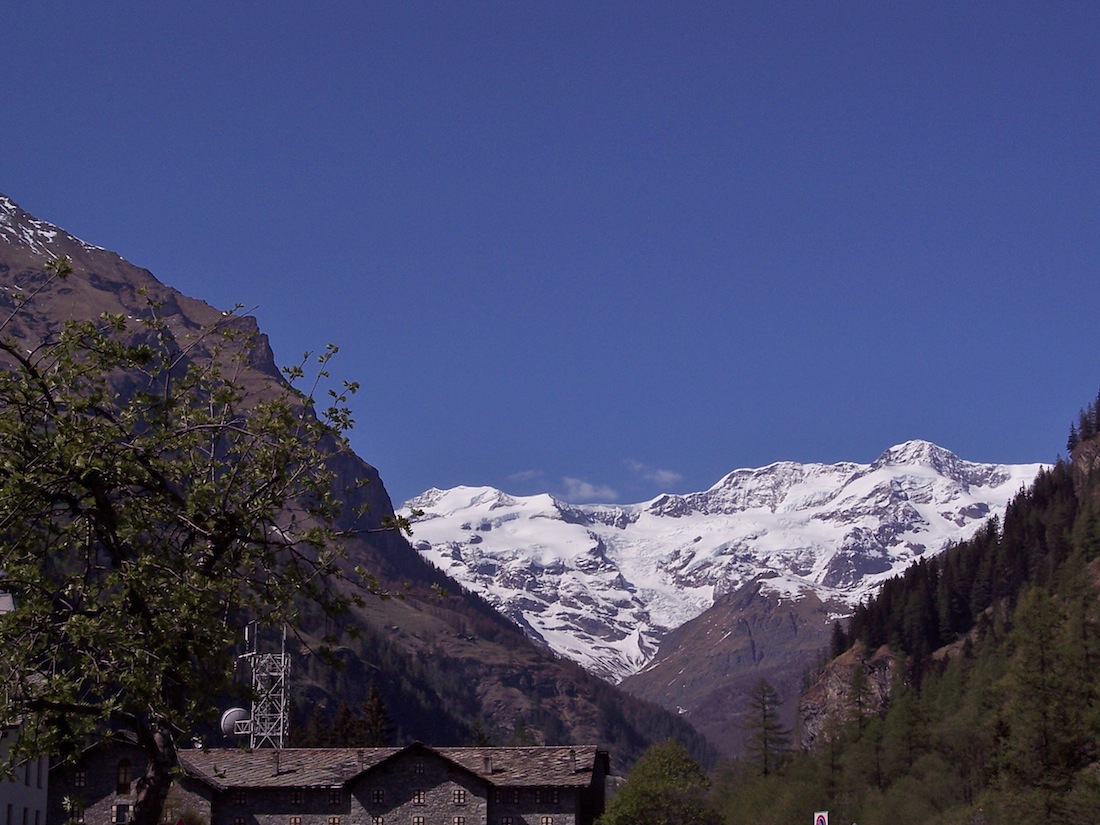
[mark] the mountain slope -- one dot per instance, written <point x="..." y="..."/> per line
<point x="604" y="584"/>
<point x="444" y="664"/>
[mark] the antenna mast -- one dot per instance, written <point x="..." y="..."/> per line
<point x="269" y="725"/>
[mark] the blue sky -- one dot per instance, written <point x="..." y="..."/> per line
<point x="603" y="250"/>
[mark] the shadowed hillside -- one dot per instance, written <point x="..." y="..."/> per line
<point x="448" y="667"/>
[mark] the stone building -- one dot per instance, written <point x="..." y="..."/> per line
<point x="99" y="788"/>
<point x="414" y="785"/>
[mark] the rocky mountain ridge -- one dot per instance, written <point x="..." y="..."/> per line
<point x="605" y="584"/>
<point x="448" y="666"/>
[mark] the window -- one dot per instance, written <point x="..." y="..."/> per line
<point x="377" y="820"/>
<point x="238" y="820"/>
<point x="506" y="820"/>
<point x="418" y="797"/>
<point x="334" y="820"/>
<point x="515" y="796"/>
<point x="120" y="813"/>
<point x="80" y="778"/>
<point x="419" y="767"/>
<point x="538" y="796"/>
<point x="546" y="795"/>
<point x="458" y="820"/>
<point x="418" y="820"/>
<point x="553" y="796"/>
<point x="296" y="799"/>
<point x="295" y="820"/>
<point x="459" y="796"/>
<point x="334" y="796"/>
<point x="378" y="796"/>
<point x="546" y="820"/>
<point x="123" y="781"/>
<point x="238" y="796"/>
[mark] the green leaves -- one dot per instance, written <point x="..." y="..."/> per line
<point x="148" y="502"/>
<point x="665" y="785"/>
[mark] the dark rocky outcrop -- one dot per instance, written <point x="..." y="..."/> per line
<point x="705" y="668"/>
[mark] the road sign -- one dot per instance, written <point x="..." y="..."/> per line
<point x="821" y="818"/>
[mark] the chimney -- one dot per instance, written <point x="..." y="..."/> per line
<point x="275" y="759"/>
<point x="362" y="759"/>
<point x="486" y="764"/>
<point x="573" y="760"/>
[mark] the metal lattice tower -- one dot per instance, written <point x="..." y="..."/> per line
<point x="270" y="722"/>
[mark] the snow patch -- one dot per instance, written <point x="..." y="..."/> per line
<point x="603" y="584"/>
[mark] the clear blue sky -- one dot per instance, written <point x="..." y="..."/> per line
<point x="603" y="249"/>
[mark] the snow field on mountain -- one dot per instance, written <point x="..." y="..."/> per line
<point x="602" y="584"/>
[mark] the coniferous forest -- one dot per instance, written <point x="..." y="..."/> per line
<point x="992" y="710"/>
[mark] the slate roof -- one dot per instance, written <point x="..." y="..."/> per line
<point x="553" y="766"/>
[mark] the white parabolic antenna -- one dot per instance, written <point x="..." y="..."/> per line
<point x="231" y="720"/>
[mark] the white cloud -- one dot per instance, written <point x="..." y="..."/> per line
<point x="584" y="492"/>
<point x="525" y="475"/>
<point x="664" y="478"/>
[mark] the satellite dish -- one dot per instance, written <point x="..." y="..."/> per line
<point x="231" y="720"/>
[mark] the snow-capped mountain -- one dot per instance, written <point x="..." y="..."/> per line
<point x="602" y="584"/>
<point x="17" y="227"/>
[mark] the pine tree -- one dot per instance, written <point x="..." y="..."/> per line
<point x="840" y="641"/>
<point x="479" y="737"/>
<point x="1042" y="714"/>
<point x="344" y="727"/>
<point x="314" y="733"/>
<point x="769" y="740"/>
<point x="375" y="726"/>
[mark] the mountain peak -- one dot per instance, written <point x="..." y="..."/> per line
<point x="916" y="451"/>
<point x="41" y="237"/>
<point x="602" y="585"/>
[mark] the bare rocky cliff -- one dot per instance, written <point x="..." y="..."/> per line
<point x="854" y="683"/>
<point x="705" y="668"/>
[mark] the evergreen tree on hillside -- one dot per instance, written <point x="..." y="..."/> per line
<point x="375" y="725"/>
<point x="1049" y="718"/>
<point x="769" y="741"/>
<point x="1000" y="719"/>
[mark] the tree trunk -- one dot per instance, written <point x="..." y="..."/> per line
<point x="152" y="788"/>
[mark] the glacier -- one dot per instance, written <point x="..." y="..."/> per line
<point x="602" y="584"/>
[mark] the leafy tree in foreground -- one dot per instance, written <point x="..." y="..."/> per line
<point x="147" y="505"/>
<point x="665" y="786"/>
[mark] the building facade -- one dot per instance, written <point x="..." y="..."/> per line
<point x="415" y="785"/>
<point x="23" y="794"/>
<point x="99" y="787"/>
